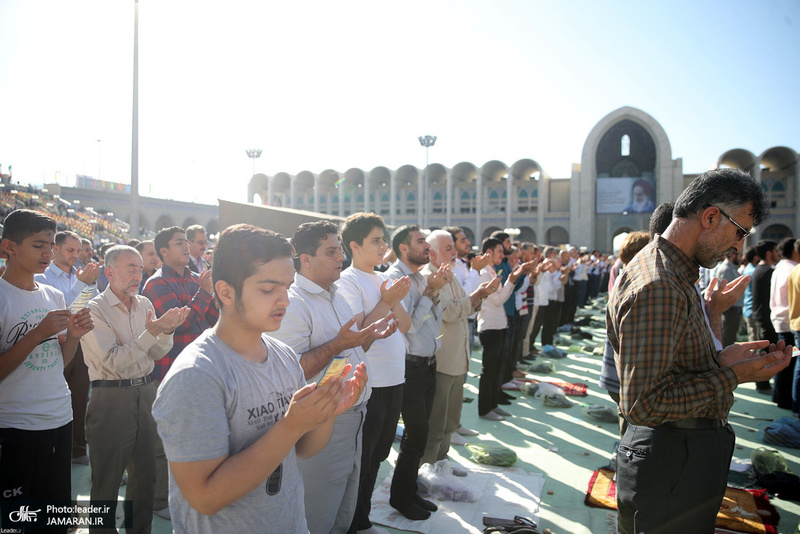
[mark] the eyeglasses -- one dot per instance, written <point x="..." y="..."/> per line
<point x="741" y="232"/>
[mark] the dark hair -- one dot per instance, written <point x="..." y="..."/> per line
<point x="85" y="241"/>
<point x="193" y="230"/>
<point x="750" y="254"/>
<point x="357" y="227"/>
<point x="797" y="246"/>
<point x="633" y="243"/>
<point x="644" y="184"/>
<point x="661" y="217"/>
<point x="132" y="243"/>
<point x="163" y="236"/>
<point x="729" y="189"/>
<point x="308" y="236"/>
<point x="402" y="236"/>
<point x="500" y="235"/>
<point x="142" y="244"/>
<point x="104" y="248"/>
<point x="453" y="231"/>
<point x="20" y="224"/>
<point x="786" y="247"/>
<point x="764" y="246"/>
<point x="63" y="235"/>
<point x="241" y="249"/>
<point x="490" y="243"/>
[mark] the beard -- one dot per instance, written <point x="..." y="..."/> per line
<point x="709" y="257"/>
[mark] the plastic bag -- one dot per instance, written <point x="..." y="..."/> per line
<point x="440" y="483"/>
<point x="552" y="395"/>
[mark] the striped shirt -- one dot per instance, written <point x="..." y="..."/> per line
<point x="666" y="357"/>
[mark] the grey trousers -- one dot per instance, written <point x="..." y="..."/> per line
<point x="330" y="478"/>
<point x="161" y="498"/>
<point x="445" y="416"/>
<point x="121" y="434"/>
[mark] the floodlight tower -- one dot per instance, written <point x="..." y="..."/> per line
<point x="255" y="153"/>
<point x="427" y="141"/>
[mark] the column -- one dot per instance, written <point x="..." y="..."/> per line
<point x="449" y="200"/>
<point x="366" y="196"/>
<point x="392" y="199"/>
<point x="509" y="192"/>
<point x="479" y="208"/>
<point x="316" y="193"/>
<point x="270" y="197"/>
<point x="420" y="197"/>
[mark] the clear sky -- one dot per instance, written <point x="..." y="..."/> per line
<point x="334" y="85"/>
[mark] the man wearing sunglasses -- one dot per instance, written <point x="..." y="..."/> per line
<point x="676" y="389"/>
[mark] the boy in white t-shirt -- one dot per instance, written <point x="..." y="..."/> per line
<point x="371" y="296"/>
<point x="38" y="336"/>
<point x="234" y="411"/>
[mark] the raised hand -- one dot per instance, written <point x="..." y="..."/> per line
<point x="347" y="338"/>
<point x="313" y="404"/>
<point x="89" y="274"/>
<point x="352" y="388"/>
<point x="53" y="323"/>
<point x="479" y="262"/>
<point x="394" y="292"/>
<point x="384" y="328"/>
<point x="515" y="274"/>
<point x="167" y="323"/>
<point x="720" y="295"/>
<point x="756" y="366"/>
<point x="79" y="324"/>
<point x="206" y="282"/>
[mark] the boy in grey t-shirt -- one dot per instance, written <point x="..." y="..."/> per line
<point x="234" y="411"/>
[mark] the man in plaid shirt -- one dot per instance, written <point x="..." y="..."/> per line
<point x="175" y="286"/>
<point x="676" y="389"/>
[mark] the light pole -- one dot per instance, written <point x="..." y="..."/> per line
<point x="254" y="153"/>
<point x="427" y="141"/>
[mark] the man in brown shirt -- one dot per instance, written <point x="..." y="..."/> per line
<point x="119" y="353"/>
<point x="675" y="389"/>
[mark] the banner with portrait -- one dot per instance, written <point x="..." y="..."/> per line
<point x="625" y="195"/>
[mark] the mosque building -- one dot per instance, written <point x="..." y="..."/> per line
<point x="627" y="168"/>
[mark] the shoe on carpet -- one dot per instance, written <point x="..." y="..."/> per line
<point x="457" y="439"/>
<point x="492" y="416"/>
<point x="425" y="504"/>
<point x="464" y="431"/>
<point x="411" y="510"/>
<point x="501" y="412"/>
<point x="163" y="514"/>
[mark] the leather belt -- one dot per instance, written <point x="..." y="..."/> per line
<point x="421" y="359"/>
<point x="697" y="423"/>
<point x="129" y="383"/>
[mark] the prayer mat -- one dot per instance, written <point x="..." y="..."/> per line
<point x="741" y="511"/>
<point x="506" y="492"/>
<point x="573" y="390"/>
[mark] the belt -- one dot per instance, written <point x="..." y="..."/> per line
<point x="429" y="360"/>
<point x="129" y="383"/>
<point x="697" y="423"/>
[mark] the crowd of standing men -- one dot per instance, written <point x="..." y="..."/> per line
<point x="155" y="331"/>
<point x="261" y="390"/>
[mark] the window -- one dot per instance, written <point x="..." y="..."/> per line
<point x="625" y="145"/>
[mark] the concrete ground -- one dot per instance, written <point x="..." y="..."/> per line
<point x="566" y="446"/>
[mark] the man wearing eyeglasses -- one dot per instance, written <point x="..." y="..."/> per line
<point x="196" y="236"/>
<point x="676" y="389"/>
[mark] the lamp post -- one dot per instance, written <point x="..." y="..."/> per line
<point x="427" y="141"/>
<point x="254" y="153"/>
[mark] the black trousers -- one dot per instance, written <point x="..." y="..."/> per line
<point x="418" y="393"/>
<point x="672" y="479"/>
<point x="489" y="384"/>
<point x="377" y="436"/>
<point x="35" y="464"/>
<point x="550" y="324"/>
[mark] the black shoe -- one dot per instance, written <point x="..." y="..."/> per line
<point x="425" y="503"/>
<point x="411" y="511"/>
<point x="506" y="396"/>
<point x="504" y="402"/>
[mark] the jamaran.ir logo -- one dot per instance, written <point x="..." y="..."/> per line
<point x="23" y="514"/>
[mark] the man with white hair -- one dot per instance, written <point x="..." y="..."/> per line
<point x="120" y="353"/>
<point x="452" y="358"/>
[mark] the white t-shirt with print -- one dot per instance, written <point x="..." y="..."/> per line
<point x="35" y="396"/>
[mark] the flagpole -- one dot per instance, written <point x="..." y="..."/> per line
<point x="134" y="218"/>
